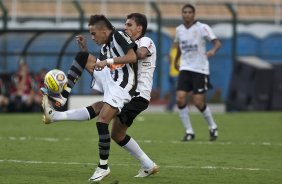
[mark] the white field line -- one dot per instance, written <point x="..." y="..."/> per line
<point x="129" y="165"/>
<point x="53" y="139"/>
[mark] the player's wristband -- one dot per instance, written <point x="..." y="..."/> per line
<point x="110" y="61"/>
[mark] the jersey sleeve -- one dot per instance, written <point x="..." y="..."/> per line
<point x="147" y="43"/>
<point x="125" y="42"/>
<point x="176" y="38"/>
<point x="207" y="33"/>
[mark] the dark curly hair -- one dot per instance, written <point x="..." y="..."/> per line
<point x="140" y="20"/>
<point x="100" y="20"/>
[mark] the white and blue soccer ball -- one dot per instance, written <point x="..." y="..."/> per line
<point x="55" y="81"/>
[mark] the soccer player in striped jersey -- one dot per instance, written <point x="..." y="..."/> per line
<point x="191" y="37"/>
<point x="117" y="51"/>
<point x="135" y="26"/>
<point x="118" y="57"/>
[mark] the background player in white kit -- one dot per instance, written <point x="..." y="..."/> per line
<point x="191" y="37"/>
<point x="135" y="26"/>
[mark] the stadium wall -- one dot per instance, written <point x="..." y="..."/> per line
<point x="43" y="52"/>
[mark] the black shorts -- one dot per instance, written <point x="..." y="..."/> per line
<point x="132" y="109"/>
<point x="192" y="81"/>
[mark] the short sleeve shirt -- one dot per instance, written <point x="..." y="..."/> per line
<point x="146" y="68"/>
<point x="192" y="43"/>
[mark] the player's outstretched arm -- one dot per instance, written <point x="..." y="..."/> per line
<point x="81" y="41"/>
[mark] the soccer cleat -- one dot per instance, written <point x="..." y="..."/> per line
<point x="188" y="137"/>
<point x="99" y="174"/>
<point x="48" y="110"/>
<point x="44" y="91"/>
<point x="147" y="172"/>
<point x="58" y="98"/>
<point x="213" y="134"/>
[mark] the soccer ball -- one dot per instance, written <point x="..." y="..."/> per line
<point x="55" y="81"/>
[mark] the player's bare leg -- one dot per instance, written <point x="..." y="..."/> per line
<point x="148" y="167"/>
<point x="106" y="114"/>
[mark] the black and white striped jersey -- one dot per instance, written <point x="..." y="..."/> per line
<point x="123" y="74"/>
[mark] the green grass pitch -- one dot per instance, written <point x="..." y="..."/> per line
<point x="249" y="150"/>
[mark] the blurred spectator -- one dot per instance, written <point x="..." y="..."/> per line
<point x="4" y="99"/>
<point x="21" y="92"/>
<point x="173" y="75"/>
<point x="37" y="84"/>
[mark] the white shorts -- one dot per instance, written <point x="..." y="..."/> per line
<point x="114" y="95"/>
<point x="98" y="79"/>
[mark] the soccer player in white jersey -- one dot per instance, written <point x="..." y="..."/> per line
<point x="191" y="37"/>
<point x="135" y="26"/>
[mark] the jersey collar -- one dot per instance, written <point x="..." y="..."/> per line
<point x="110" y="38"/>
<point x="191" y="24"/>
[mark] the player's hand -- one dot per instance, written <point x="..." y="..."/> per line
<point x="210" y="53"/>
<point x="100" y="65"/>
<point x="176" y="66"/>
<point x="81" y="41"/>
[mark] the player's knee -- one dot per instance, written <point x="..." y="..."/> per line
<point x="81" y="58"/>
<point x="180" y="101"/>
<point x="97" y="106"/>
<point x="104" y="117"/>
<point x="200" y="105"/>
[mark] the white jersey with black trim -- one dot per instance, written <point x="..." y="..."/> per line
<point x="118" y="45"/>
<point x="146" y="68"/>
<point x="192" y="43"/>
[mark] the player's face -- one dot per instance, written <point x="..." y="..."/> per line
<point x="98" y="34"/>
<point x="132" y="29"/>
<point x="188" y="15"/>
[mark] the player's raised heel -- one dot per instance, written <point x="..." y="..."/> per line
<point x="213" y="134"/>
<point x="188" y="137"/>
<point x="99" y="174"/>
<point x="147" y="172"/>
<point x="48" y="110"/>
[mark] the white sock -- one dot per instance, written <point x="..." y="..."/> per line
<point x="103" y="162"/>
<point x="184" y="115"/>
<point x="134" y="149"/>
<point x="209" y="118"/>
<point x="74" y="114"/>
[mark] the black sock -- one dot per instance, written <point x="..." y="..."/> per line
<point x="204" y="108"/>
<point x="124" y="141"/>
<point x="91" y="112"/>
<point x="75" y="71"/>
<point x="182" y="107"/>
<point x="104" y="142"/>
